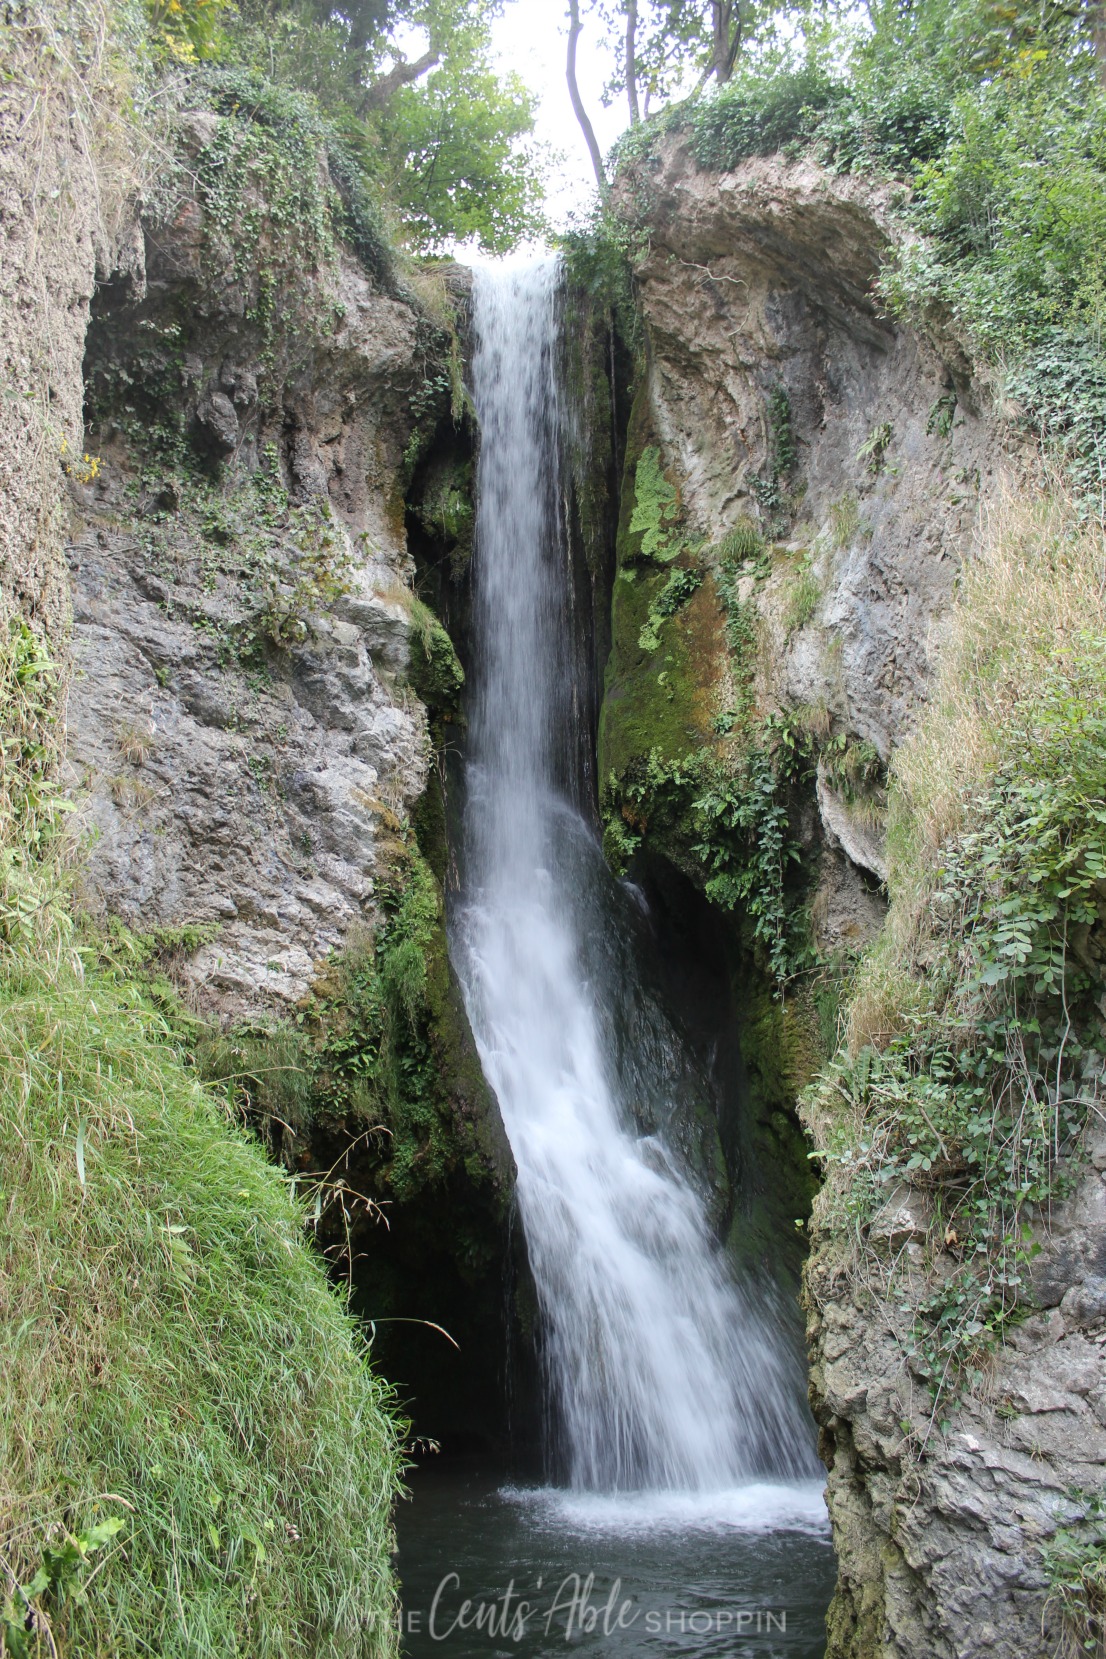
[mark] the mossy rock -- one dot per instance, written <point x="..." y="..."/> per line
<point x="656" y="700"/>
<point x="661" y="700"/>
<point x="780" y="1051"/>
<point x="446" y="510"/>
<point x="435" y="668"/>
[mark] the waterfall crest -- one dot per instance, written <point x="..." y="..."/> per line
<point x="664" y="1374"/>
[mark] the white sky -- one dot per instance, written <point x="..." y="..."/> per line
<point x="531" y="38"/>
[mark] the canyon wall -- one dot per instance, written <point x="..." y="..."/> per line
<point x="259" y="704"/>
<point x="855" y="460"/>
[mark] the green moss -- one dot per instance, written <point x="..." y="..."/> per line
<point x="428" y="819"/>
<point x="658" y="698"/>
<point x="781" y="1050"/>
<point x="435" y="668"/>
<point x="661" y="698"/>
<point x="445" y="510"/>
<point x="711" y="790"/>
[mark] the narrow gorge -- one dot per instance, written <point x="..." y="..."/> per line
<point x="551" y="896"/>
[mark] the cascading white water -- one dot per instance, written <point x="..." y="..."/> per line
<point x="664" y="1376"/>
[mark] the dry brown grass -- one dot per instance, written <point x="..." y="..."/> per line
<point x="1034" y="583"/>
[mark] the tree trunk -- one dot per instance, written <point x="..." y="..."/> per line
<point x="403" y="74"/>
<point x="574" y="27"/>
<point x="631" y="61"/>
<point x="1096" y="12"/>
<point x="726" y="22"/>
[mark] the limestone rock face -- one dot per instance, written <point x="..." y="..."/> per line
<point x="783" y="396"/>
<point x="243" y="741"/>
<point x="939" y="1536"/>
<point x="757" y="297"/>
<point x="252" y="800"/>
<point x="60" y="223"/>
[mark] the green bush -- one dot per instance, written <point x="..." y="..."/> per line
<point x="760" y="112"/>
<point x="732" y="825"/>
<point x="280" y="183"/>
<point x="888" y="123"/>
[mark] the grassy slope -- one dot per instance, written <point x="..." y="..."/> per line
<point x="171" y="1354"/>
<point x="172" y="1359"/>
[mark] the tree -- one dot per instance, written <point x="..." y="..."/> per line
<point x="436" y="126"/>
<point x="663" y="45"/>
<point x="574" y="27"/>
<point x="456" y="168"/>
<point x="726" y="32"/>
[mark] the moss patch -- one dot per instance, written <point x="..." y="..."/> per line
<point x="655" y="699"/>
<point x="781" y="1052"/>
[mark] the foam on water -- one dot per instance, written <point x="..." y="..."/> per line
<point x="762" y="1506"/>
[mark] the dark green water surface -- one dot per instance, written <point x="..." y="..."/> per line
<point x="490" y="1571"/>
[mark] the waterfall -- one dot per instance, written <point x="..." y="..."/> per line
<point x="664" y="1375"/>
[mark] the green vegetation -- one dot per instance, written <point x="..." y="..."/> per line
<point x="656" y="509"/>
<point x="433" y="146"/>
<point x="279" y="186"/>
<point x="675" y="593"/>
<point x="712" y="793"/>
<point x="975" y="1049"/>
<point x="378" y="1052"/>
<point x="1075" y="1562"/>
<point x="182" y="1396"/>
<point x="772" y="487"/>
<point x="730" y="822"/>
<point x="803" y="595"/>
<point x="995" y="117"/>
<point x="173" y="1358"/>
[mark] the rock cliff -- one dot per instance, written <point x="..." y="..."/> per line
<point x="243" y="732"/>
<point x="257" y="697"/>
<point x="826" y="468"/>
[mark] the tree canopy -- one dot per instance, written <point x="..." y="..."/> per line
<point x="412" y="91"/>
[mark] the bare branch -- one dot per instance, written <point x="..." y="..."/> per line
<point x="403" y="74"/>
<point x="574" y="27"/>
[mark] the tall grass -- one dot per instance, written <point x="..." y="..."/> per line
<point x="171" y="1354"/>
<point x="1030" y="598"/>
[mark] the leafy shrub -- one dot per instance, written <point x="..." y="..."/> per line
<point x="675" y="593"/>
<point x="375" y="1031"/>
<point x="1014" y="211"/>
<point x="761" y="112"/>
<point x="186" y="30"/>
<point x="890" y="122"/>
<point x="733" y="825"/>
